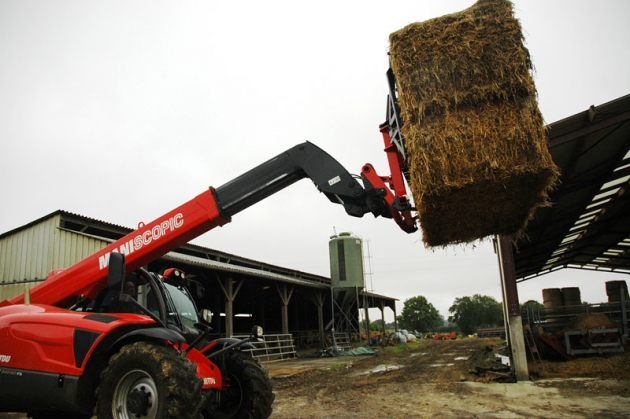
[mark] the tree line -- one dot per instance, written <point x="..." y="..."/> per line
<point x="467" y="314"/>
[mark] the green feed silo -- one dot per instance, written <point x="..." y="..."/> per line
<point x="346" y="261"/>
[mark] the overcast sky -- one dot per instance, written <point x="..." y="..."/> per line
<point x="123" y="110"/>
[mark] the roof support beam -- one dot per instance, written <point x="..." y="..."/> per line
<point x="622" y="117"/>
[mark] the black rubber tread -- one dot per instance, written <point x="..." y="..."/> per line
<point x="256" y="396"/>
<point x="178" y="386"/>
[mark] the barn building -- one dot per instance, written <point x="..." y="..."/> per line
<point x="240" y="292"/>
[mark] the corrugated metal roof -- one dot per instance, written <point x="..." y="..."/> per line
<point x="62" y="213"/>
<point x="588" y="224"/>
<point x="33" y="250"/>
<point x="68" y="253"/>
<point x="115" y="231"/>
<point x="300" y="278"/>
<point x="226" y="267"/>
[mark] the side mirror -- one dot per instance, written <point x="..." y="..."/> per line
<point x="206" y="315"/>
<point x="116" y="271"/>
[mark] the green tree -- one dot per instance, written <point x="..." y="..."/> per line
<point x="376" y="325"/>
<point x="471" y="312"/>
<point x="532" y="305"/>
<point x="447" y="327"/>
<point x="419" y="314"/>
<point x="531" y="309"/>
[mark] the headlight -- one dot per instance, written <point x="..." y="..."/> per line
<point x="257" y="331"/>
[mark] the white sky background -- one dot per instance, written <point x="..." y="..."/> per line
<point x="121" y="111"/>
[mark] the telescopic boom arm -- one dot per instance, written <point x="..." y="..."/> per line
<point x="215" y="207"/>
<point x="303" y="160"/>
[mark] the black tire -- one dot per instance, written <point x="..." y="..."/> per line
<point x="249" y="394"/>
<point x="147" y="380"/>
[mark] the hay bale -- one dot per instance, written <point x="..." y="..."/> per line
<point x="552" y="297"/>
<point x="475" y="138"/>
<point x="571" y="296"/>
<point x="590" y="321"/>
<point x="613" y="291"/>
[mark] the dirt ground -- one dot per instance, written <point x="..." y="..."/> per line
<point x="448" y="379"/>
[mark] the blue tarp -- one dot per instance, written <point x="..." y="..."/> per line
<point x="362" y="350"/>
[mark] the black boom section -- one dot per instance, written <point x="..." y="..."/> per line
<point x="303" y="160"/>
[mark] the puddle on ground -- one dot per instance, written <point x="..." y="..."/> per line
<point x="461" y="358"/>
<point x="419" y="353"/>
<point x="381" y="368"/>
<point x="441" y="365"/>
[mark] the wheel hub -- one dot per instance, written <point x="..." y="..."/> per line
<point x="136" y="396"/>
<point x="139" y="401"/>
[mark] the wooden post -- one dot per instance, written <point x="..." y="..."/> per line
<point x="382" y="308"/>
<point x="285" y="296"/>
<point x="318" y="299"/>
<point x="227" y="286"/>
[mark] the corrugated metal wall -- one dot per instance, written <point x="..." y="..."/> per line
<point x="31" y="253"/>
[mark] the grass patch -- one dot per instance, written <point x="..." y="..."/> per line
<point x="340" y="366"/>
<point x="491" y="342"/>
<point x="404" y="347"/>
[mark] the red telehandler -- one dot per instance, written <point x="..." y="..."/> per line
<point x="79" y="345"/>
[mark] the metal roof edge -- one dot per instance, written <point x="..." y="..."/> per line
<point x="226" y="267"/>
<point x="30" y="224"/>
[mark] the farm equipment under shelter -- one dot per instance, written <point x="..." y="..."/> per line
<point x="579" y="330"/>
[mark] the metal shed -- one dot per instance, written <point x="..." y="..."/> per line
<point x="242" y="291"/>
<point x="587" y="225"/>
